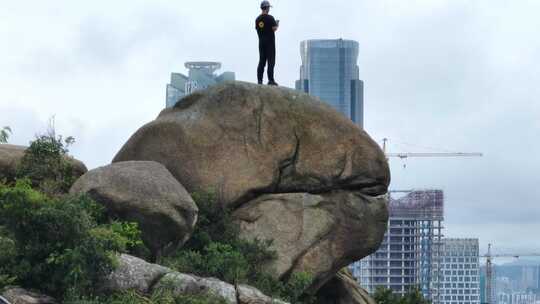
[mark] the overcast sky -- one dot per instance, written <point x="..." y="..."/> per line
<point x="439" y="76"/>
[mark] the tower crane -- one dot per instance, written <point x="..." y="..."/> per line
<point x="431" y="154"/>
<point x="489" y="268"/>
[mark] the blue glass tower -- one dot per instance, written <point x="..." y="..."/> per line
<point x="329" y="71"/>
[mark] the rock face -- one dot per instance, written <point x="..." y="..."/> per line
<point x="315" y="233"/>
<point x="10" y="155"/>
<point x="343" y="289"/>
<point x="22" y="296"/>
<point x="146" y="193"/>
<point x="290" y="167"/>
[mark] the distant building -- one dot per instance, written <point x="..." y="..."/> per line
<point x="329" y="71"/>
<point x="524" y="297"/>
<point x="201" y="75"/>
<point x="409" y="255"/>
<point x="459" y="272"/>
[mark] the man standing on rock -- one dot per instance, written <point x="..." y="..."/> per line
<point x="266" y="25"/>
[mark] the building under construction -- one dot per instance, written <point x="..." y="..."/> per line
<point x="409" y="256"/>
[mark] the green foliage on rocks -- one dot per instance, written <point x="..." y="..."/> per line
<point x="45" y="163"/>
<point x="215" y="250"/>
<point x="386" y="296"/>
<point x="57" y="245"/>
<point x="161" y="296"/>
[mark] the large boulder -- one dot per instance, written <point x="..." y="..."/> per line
<point x="315" y="233"/>
<point x="343" y="289"/>
<point x="290" y="168"/>
<point x="11" y="155"/>
<point x="242" y="140"/>
<point x="145" y="193"/>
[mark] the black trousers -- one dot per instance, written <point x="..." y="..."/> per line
<point x="267" y="53"/>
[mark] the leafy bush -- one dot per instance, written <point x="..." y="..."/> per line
<point x="215" y="250"/>
<point x="7" y="256"/>
<point x="386" y="296"/>
<point x="57" y="244"/>
<point x="46" y="165"/>
<point x="4" y="134"/>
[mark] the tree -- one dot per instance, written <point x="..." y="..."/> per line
<point x="4" y="135"/>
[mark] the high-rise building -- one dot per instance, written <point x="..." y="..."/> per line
<point x="329" y="71"/>
<point x="201" y="75"/>
<point x="409" y="256"/>
<point x="459" y="272"/>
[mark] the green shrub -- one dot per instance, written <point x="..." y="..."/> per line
<point x="4" y="134"/>
<point x="60" y="244"/>
<point x="45" y="163"/>
<point x="7" y="258"/>
<point x="215" y="250"/>
<point x="386" y="296"/>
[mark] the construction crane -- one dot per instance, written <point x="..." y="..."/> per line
<point x="489" y="268"/>
<point x="429" y="154"/>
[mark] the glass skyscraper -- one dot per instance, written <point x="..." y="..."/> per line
<point x="201" y="75"/>
<point x="329" y="71"/>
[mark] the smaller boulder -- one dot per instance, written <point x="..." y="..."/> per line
<point x="22" y="296"/>
<point x="186" y="284"/>
<point x="145" y="193"/>
<point x="134" y="274"/>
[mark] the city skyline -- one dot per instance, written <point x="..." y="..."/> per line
<point x="454" y="75"/>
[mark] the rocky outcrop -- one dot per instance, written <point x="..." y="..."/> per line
<point x="17" y="295"/>
<point x="138" y="275"/>
<point x="243" y="140"/>
<point x="11" y="155"/>
<point x="290" y="167"/>
<point x="313" y="233"/>
<point x="145" y="193"/>
<point x="343" y="289"/>
<point x="135" y="274"/>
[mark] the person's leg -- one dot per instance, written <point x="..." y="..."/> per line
<point x="271" y="53"/>
<point x="262" y="63"/>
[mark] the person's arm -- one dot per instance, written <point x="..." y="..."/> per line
<point x="275" y="24"/>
